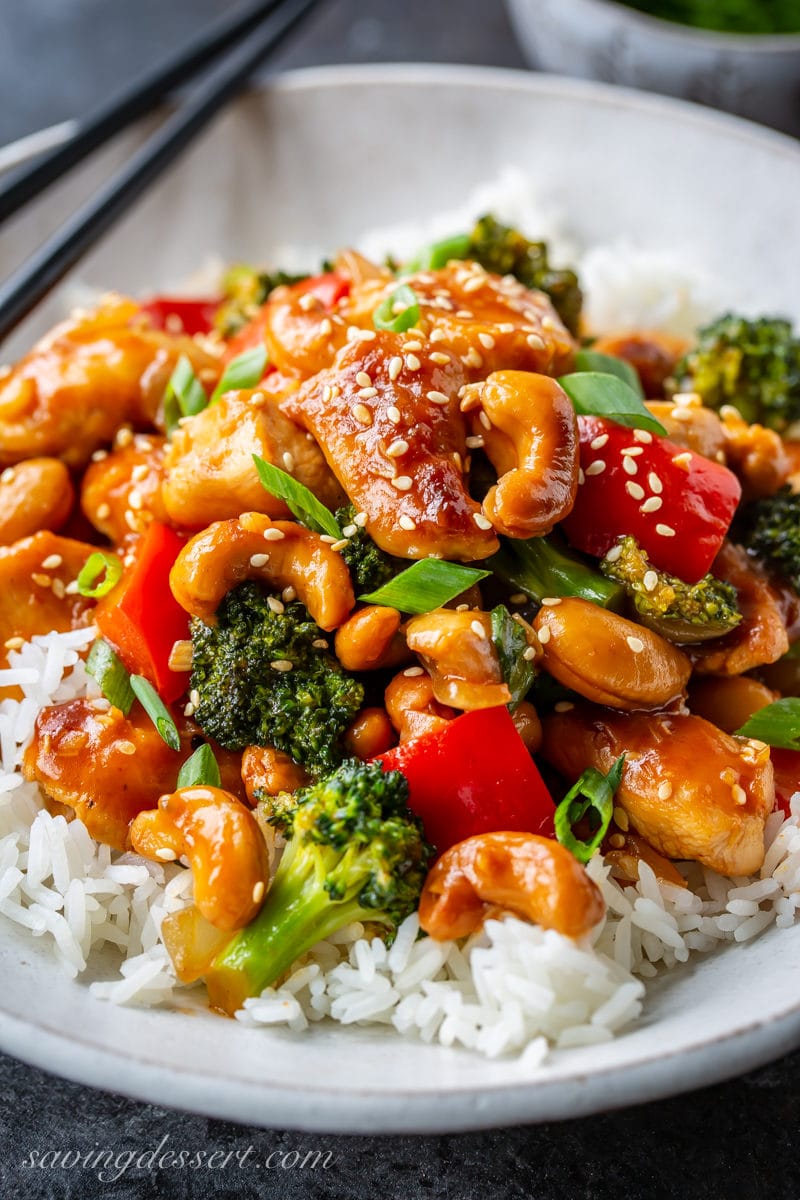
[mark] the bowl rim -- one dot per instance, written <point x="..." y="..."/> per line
<point x="661" y="28"/>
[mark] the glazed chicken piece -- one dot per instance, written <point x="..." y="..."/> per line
<point x="121" y="492"/>
<point x="395" y="438"/>
<point x="106" y="767"/>
<point x="35" y="574"/>
<point x="761" y="637"/>
<point x="88" y="376"/>
<point x="210" y="473"/>
<point x="689" y="789"/>
<point x="35" y="494"/>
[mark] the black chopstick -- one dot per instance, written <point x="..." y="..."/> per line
<point x="60" y="252"/>
<point x="132" y="102"/>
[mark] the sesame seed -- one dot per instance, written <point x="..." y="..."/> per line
<point x="360" y="519"/>
<point x="402" y="482"/>
<point x="139" y="472"/>
<point x="274" y="535"/>
<point x="630" y="466"/>
<point x="288" y="461"/>
<point x="349" y="531"/>
<point x="642" y="435"/>
<point x="535" y="342"/>
<point x="596" y="468"/>
<point x="472" y="358"/>
<point x="393" y="414"/>
<point x="621" y="818"/>
<point x="340" y="545"/>
<point x="366" y="393"/>
<point x="475" y="442"/>
<point x="681" y="414"/>
<point x="728" y="776"/>
<point x="194" y="697"/>
<point x="327" y="539"/>
<point x="465" y="313"/>
<point x="439" y="358"/>
<point x="72" y="588"/>
<point x="319" y="644"/>
<point x="180" y="656"/>
<point x="413" y="672"/>
<point x="616" y="841"/>
<point x="124" y="436"/>
<point x="614" y="553"/>
<point x="598" y="442"/>
<point x="126" y="747"/>
<point x="325" y="327"/>
<point x="484" y="420"/>
<point x="308" y="301"/>
<point x="412" y="346"/>
<point x="135" y="498"/>
<point x="544" y="635"/>
<point x="326" y="393"/>
<point x="395" y="367"/>
<point x="636" y="644"/>
<point x="473" y="284"/>
<point x="275" y="605"/>
<point x="188" y="709"/>
<point x="486" y="340"/>
<point x="52" y="561"/>
<point x="59" y="591"/>
<point x="407" y="523"/>
<point x="258" y="892"/>
<point x="652" y="505"/>
<point x="437" y="335"/>
<point x="481" y="521"/>
<point x="635" y="490"/>
<point x="581" y="477"/>
<point x="478" y="629"/>
<point x="98" y="456"/>
<point x="563" y="706"/>
<point x="632" y="451"/>
<point x="15" y="643"/>
<point x="739" y="794"/>
<point x="412" y="362"/>
<point x="551" y="601"/>
<point x="437" y="397"/>
<point x="683" y="460"/>
<point x="665" y="530"/>
<point x="655" y="483"/>
<point x="281" y="664"/>
<point x="650" y="581"/>
<point x="361" y="414"/>
<point x="288" y="594"/>
<point x="462" y="608"/>
<point x="397" y="448"/>
<point x="529" y="653"/>
<point x="664" y="790"/>
<point x="41" y="580"/>
<point x="165" y="854"/>
<point x="102" y="511"/>
<point x="363" y="379"/>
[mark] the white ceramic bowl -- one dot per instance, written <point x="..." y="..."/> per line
<point x="318" y="158"/>
<point x="755" y="76"/>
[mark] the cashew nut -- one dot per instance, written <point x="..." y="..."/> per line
<point x="412" y="706"/>
<point x="223" y="843"/>
<point x="457" y="650"/>
<point x="370" y="639"/>
<point x="607" y="658"/>
<point x="533" y="877"/>
<point x="369" y="734"/>
<point x="35" y="494"/>
<point x="531" y="439"/>
<point x="269" y="771"/>
<point x="278" y="553"/>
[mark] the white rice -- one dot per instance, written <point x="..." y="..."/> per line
<point x="513" y="988"/>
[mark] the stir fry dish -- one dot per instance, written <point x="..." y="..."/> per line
<point x="404" y="596"/>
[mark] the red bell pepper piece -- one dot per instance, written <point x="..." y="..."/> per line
<point x="473" y="776"/>
<point x="142" y="619"/>
<point x="677" y="504"/>
<point x="328" y="289"/>
<point x="177" y="314"/>
<point x="786" y="765"/>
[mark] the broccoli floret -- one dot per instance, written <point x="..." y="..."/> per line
<point x="354" y="853"/>
<point x="752" y="364"/>
<point x="368" y="564"/>
<point x="245" y="289"/>
<point x="541" y="567"/>
<point x="680" y="612"/>
<point x="245" y="700"/>
<point x="770" y="528"/>
<point x="505" y="251"/>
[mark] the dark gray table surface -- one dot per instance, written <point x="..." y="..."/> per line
<point x="57" y="59"/>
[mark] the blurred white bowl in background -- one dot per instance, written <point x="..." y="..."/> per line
<point x="756" y="76"/>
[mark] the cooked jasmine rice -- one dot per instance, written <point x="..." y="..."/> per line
<point x="512" y="988"/>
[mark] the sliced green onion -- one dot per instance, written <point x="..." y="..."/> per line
<point x="426" y="585"/>
<point x="99" y="574"/>
<point x="156" y="710"/>
<point x="777" y="724"/>
<point x="597" y="393"/>
<point x="303" y="503"/>
<point x="397" y="312"/>
<point x="439" y="254"/>
<point x="104" y="666"/>
<point x="244" y="371"/>
<point x="511" y="643"/>
<point x="609" y="364"/>
<point x="185" y="395"/>
<point x="593" y="793"/>
<point x="200" y="768"/>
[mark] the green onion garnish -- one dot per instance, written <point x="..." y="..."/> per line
<point x="397" y="312"/>
<point x="597" y="393"/>
<point x="426" y="585"/>
<point x="104" y="666"/>
<point x="777" y="724"/>
<point x="511" y="643"/>
<point x="156" y="710"/>
<point x="200" y="768"/>
<point x="185" y="395"/>
<point x="303" y="503"/>
<point x="99" y="574"/>
<point x="593" y="793"/>
<point x="609" y="364"/>
<point x="244" y="371"/>
<point x="439" y="254"/>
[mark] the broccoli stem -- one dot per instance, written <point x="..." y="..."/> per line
<point x="540" y="567"/>
<point x="296" y="914"/>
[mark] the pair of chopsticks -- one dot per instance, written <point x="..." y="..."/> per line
<point x="254" y="34"/>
